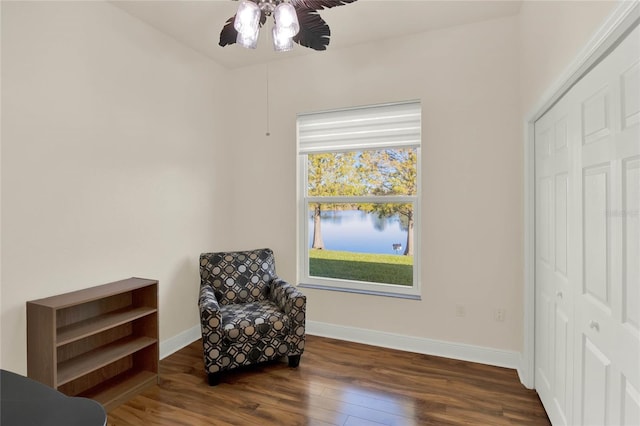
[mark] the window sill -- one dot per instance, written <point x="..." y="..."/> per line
<point x="359" y="291"/>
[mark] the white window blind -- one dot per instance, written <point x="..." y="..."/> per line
<point x="394" y="125"/>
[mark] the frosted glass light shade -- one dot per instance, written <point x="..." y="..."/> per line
<point x="247" y="19"/>
<point x="281" y="43"/>
<point x="250" y="41"/>
<point x="286" y="20"/>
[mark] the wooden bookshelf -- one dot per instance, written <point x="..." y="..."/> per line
<point x="100" y="342"/>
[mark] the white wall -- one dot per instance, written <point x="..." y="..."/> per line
<point x="114" y="161"/>
<point x="467" y="80"/>
<point x="552" y="34"/>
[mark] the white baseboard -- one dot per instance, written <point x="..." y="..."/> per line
<point x="523" y="372"/>
<point x="179" y="341"/>
<point x="461" y="351"/>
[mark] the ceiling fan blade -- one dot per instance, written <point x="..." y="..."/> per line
<point x="229" y="35"/>
<point x="314" y="31"/>
<point x="319" y="4"/>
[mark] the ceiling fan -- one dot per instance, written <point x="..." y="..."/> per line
<point x="295" y="21"/>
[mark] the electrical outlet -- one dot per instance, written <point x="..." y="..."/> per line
<point x="460" y="311"/>
<point x="499" y="314"/>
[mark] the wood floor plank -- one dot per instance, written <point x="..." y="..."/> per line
<point x="337" y="383"/>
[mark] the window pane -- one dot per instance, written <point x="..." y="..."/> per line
<point x="362" y="242"/>
<point x="359" y="173"/>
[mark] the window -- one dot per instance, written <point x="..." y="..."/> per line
<point x="359" y="199"/>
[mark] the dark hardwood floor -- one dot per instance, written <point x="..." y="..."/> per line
<point x="337" y="383"/>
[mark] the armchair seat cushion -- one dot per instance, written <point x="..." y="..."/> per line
<point x="250" y="322"/>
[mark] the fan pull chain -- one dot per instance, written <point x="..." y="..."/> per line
<point x="268" y="133"/>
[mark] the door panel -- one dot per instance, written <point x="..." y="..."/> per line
<point x="595" y="377"/>
<point x="545" y="224"/>
<point x="631" y="251"/>
<point x="630" y="409"/>
<point x="596" y="235"/>
<point x="630" y="103"/>
<point x="560" y="220"/>
<point x="595" y="116"/>
<point x="562" y="363"/>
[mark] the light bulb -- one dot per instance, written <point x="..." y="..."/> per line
<point x="286" y="20"/>
<point x="247" y="18"/>
<point x="281" y="42"/>
<point x="250" y="41"/>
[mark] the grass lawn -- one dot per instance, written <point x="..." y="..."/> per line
<point x="379" y="268"/>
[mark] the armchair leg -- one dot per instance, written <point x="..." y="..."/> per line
<point x="214" y="378"/>
<point x="294" y="360"/>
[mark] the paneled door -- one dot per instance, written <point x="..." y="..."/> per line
<point x="588" y="246"/>
<point x="607" y="321"/>
<point x="554" y="298"/>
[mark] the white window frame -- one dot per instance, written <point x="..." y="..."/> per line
<point x="381" y="289"/>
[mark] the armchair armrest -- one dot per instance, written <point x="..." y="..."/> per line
<point x="210" y="317"/>
<point x="290" y="300"/>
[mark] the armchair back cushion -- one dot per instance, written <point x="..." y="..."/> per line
<point x="239" y="277"/>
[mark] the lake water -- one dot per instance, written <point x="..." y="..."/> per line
<point x="357" y="231"/>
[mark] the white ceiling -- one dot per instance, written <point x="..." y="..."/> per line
<point x="197" y="23"/>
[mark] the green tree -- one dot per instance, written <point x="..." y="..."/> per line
<point x="392" y="172"/>
<point x="330" y="174"/>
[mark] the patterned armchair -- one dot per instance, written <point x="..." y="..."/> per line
<point x="247" y="314"/>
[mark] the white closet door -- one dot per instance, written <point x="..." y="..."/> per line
<point x="607" y="320"/>
<point x="588" y="246"/>
<point x="554" y="298"/>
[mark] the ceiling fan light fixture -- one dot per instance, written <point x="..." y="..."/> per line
<point x="247" y="20"/>
<point x="281" y="42"/>
<point x="296" y="21"/>
<point x="286" y="20"/>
